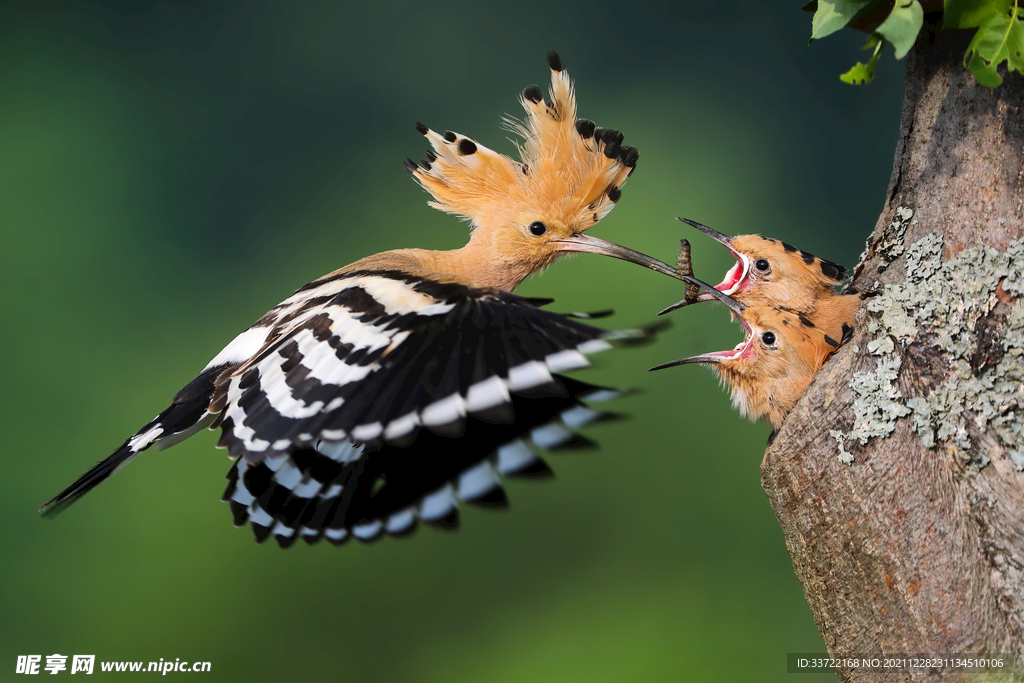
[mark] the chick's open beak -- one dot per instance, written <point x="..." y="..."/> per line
<point x="736" y="306"/>
<point x="732" y="279"/>
<point x="724" y="240"/>
<point x="715" y="356"/>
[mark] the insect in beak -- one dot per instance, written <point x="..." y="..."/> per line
<point x="595" y="245"/>
<point x="715" y="293"/>
<point x="715" y="356"/>
<point x="733" y="278"/>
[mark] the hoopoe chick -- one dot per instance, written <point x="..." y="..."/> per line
<point x="769" y="370"/>
<point x="381" y="394"/>
<point x="771" y="273"/>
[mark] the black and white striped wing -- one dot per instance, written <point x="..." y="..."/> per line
<point x="374" y="356"/>
<point x="343" y="419"/>
<point x="362" y="361"/>
<point x="364" y="491"/>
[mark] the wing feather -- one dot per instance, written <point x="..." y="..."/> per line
<point x="344" y="417"/>
<point x="386" y="348"/>
<point x="371" y="490"/>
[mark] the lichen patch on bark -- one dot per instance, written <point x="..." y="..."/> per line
<point x="890" y="245"/>
<point x="943" y="309"/>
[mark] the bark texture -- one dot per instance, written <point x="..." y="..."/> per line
<point x="917" y="545"/>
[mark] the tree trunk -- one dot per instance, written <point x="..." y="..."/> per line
<point x="898" y="478"/>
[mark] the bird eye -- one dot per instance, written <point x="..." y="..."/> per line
<point x="538" y="228"/>
<point x="768" y="338"/>
<point x="762" y="265"/>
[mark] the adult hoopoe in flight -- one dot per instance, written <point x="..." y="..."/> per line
<point x="769" y="370"/>
<point x="380" y="393"/>
<point x="771" y="273"/>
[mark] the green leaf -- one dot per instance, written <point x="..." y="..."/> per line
<point x="972" y="13"/>
<point x="860" y="73"/>
<point x="863" y="73"/>
<point x="1000" y="38"/>
<point x="832" y="15"/>
<point x="902" y="25"/>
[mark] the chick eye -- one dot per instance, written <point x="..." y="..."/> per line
<point x="768" y="338"/>
<point x="762" y="265"/>
<point x="538" y="228"/>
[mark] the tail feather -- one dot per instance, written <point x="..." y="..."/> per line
<point x="90" y="480"/>
<point x="185" y="416"/>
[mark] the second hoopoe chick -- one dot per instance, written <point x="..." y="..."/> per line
<point x="772" y="273"/>
<point x="769" y="370"/>
<point x="380" y="394"/>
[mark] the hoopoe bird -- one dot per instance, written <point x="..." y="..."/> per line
<point x="771" y="273"/>
<point x="385" y="392"/>
<point x="769" y="370"/>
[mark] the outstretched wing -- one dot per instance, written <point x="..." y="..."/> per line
<point x="366" y="357"/>
<point x="344" y="490"/>
<point x="342" y="422"/>
<point x="374" y="356"/>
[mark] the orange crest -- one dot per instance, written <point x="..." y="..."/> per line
<point x="569" y="172"/>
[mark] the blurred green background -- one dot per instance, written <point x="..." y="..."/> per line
<point x="170" y="170"/>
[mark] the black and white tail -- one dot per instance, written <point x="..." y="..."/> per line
<point x="186" y="415"/>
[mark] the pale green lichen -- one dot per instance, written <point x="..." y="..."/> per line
<point x="940" y="415"/>
<point x="877" y="403"/>
<point x="924" y="258"/>
<point x="940" y="307"/>
<point x="881" y="346"/>
<point x="845" y="456"/>
<point x="922" y="420"/>
<point x="890" y="245"/>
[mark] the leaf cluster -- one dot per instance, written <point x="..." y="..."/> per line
<point x="998" y="27"/>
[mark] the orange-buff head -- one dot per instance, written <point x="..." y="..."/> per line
<point x="769" y="370"/>
<point x="769" y="272"/>
<point x="527" y="212"/>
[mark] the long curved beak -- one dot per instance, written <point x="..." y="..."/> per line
<point x="709" y="293"/>
<point x="595" y="245"/>
<point x="717" y="356"/>
<point x="722" y="239"/>
<point x="736" y="306"/>
<point x="703" y="296"/>
<point x="702" y="358"/>
<point x="713" y="234"/>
